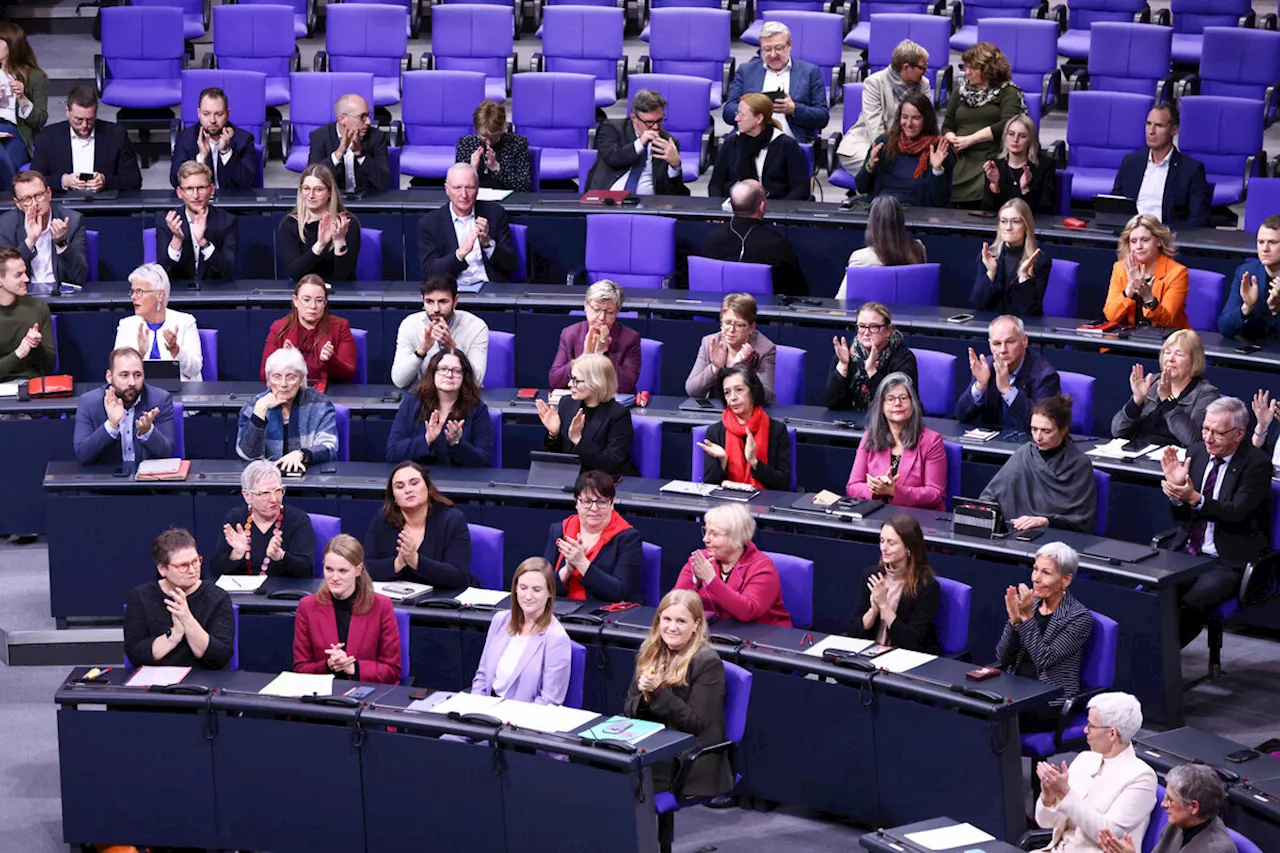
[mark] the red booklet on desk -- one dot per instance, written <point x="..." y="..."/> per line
<point x="603" y="196"/>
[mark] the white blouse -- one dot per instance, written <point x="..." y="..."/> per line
<point x="506" y="671"/>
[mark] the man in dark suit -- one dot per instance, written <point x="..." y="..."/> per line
<point x="355" y="150"/>
<point x="799" y="95"/>
<point x="128" y="420"/>
<point x="1004" y="389"/>
<point x="215" y="142"/>
<point x="49" y="236"/>
<point x="1162" y="180"/>
<point x="82" y="145"/>
<point x="636" y="154"/>
<point x="746" y="239"/>
<point x="1221" y="497"/>
<point x="466" y="239"/>
<point x="197" y="241"/>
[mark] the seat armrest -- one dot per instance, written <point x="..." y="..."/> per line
<point x="415" y="18"/>
<point x="1164" y="18"/>
<point x="427" y="62"/>
<point x="1039" y="13"/>
<point x="1059" y="13"/>
<point x="942" y="86"/>
<point x="1189" y="85"/>
<point x="692" y="757"/>
<point x="1261" y="579"/>
<point x="209" y="61"/>
<point x="509" y="69"/>
<point x="833" y="145"/>
<point x="295" y="61"/>
<point x="1078" y="81"/>
<point x="643" y="64"/>
<point x="620" y="79"/>
<point x="1143" y="15"/>
<point x="99" y="72"/>
<point x="1036" y="838"/>
<point x="1047" y="88"/>
<point x="957" y="16"/>
<point x="1251" y="164"/>
<point x="1269" y="22"/>
<point x="537" y="62"/>
<point x="1160" y="536"/>
<point x="726" y="78"/>
<point x="537" y="15"/>
<point x="837" y="85"/>
<point x="705" y="143"/>
<point x="175" y="127"/>
<point x="286" y="138"/>
<point x="1249" y="20"/>
<point x="576" y="275"/>
<point x="1059" y="152"/>
<point x="206" y="14"/>
<point x="321" y="61"/>
<point x="406" y="63"/>
<point x="1070" y="709"/>
<point x="850" y="15"/>
<point x="397" y="134"/>
<point x="746" y="14"/>
<point x="1268" y="105"/>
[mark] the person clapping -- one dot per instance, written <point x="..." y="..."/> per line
<point x="878" y="350"/>
<point x="266" y="536"/>
<point x="319" y="235"/>
<point x="444" y="421"/>
<point x="746" y="446"/>
<point x="588" y="421"/>
<point x="419" y="535"/>
<point x="288" y="423"/>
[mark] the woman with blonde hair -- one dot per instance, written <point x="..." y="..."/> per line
<point x="319" y="236"/>
<point x="1020" y="170"/>
<point x="760" y="151"/>
<point x="527" y="655"/>
<point x="1148" y="287"/>
<point x="1168" y="407"/>
<point x="588" y="422"/>
<point x="1013" y="273"/>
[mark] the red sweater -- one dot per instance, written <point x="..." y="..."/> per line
<point x="341" y="366"/>
<point x="752" y="593"/>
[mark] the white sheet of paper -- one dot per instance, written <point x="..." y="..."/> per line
<point x="836" y="641"/>
<point x="298" y="684"/>
<point x="542" y="718"/>
<point x="466" y="703"/>
<point x="422" y="705"/>
<point x="162" y="676"/>
<point x="1159" y="451"/>
<point x="8" y="389"/>
<point x="475" y="596"/>
<point x="152" y="467"/>
<point x="1112" y="449"/>
<point x="688" y="487"/>
<point x="240" y="583"/>
<point x="491" y="194"/>
<point x="901" y="660"/>
<point x="399" y="590"/>
<point x="948" y="837"/>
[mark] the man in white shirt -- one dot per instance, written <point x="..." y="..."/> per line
<point x="49" y="236"/>
<point x="467" y="240"/>
<point x="440" y="325"/>
<point x="1164" y="182"/>
<point x="215" y="142"/>
<point x="796" y="87"/>
<point x="353" y="148"/>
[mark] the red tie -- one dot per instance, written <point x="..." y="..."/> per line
<point x="1196" y="540"/>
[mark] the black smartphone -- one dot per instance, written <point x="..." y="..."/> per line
<point x="775" y="95"/>
<point x="1248" y="349"/>
<point x="1029" y="535"/>
<point x="85" y="176"/>
<point x="120" y="472"/>
<point x="1241" y="755"/>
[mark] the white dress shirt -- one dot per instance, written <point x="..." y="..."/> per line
<point x="203" y="254"/>
<point x="215" y="164"/>
<point x="773" y="81"/>
<point x="1151" y="196"/>
<point x="462" y="228"/>
<point x="10" y="107"/>
<point x="470" y="335"/>
<point x="82" y="154"/>
<point x="1210" y="547"/>
<point x="645" y="186"/>
<point x="42" y="259"/>
<point x="349" y="161"/>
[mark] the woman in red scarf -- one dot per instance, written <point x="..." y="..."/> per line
<point x="596" y="553"/>
<point x="324" y="340"/>
<point x="747" y="446"/>
<point x="911" y="162"/>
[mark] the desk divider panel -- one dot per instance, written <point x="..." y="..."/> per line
<point x="35" y="443"/>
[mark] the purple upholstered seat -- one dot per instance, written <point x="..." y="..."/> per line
<point x="370" y="38"/>
<point x="311" y="100"/>
<point x="257" y="38"/>
<point x="437" y="110"/>
<point x="555" y="111"/>
<point x="466" y="37"/>
<point x="143" y="54"/>
<point x="585" y="40"/>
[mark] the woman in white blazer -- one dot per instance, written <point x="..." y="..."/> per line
<point x="157" y="331"/>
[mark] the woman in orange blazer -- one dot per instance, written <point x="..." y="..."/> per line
<point x="1147" y="284"/>
<point x="346" y="628"/>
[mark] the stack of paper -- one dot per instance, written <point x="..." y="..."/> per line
<point x="298" y="684"/>
<point x="836" y="641"/>
<point x="240" y="583"/>
<point x="949" y="837"/>
<point x="400" y="590"/>
<point x="901" y="660"/>
<point x="541" y="718"/>
<point x="1159" y="452"/>
<point x="159" y="676"/>
<point x="466" y="703"/>
<point x="8" y="389"/>
<point x="688" y="487"/>
<point x="474" y="596"/>
<point x="1114" y="449"/>
<point x="980" y="434"/>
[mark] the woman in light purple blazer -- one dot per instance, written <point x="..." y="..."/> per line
<point x="900" y="461"/>
<point x="527" y="656"/>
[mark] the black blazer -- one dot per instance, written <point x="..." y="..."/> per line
<point x="219" y="229"/>
<point x="774" y="474"/>
<point x="438" y="243"/>
<point x="1187" y="196"/>
<point x="840" y="388"/>
<point x="1036" y="380"/>
<point x="112" y="156"/>
<point x="240" y="172"/>
<point x="373" y="175"/>
<point x="785" y="173"/>
<point x="72" y="264"/>
<point x="1044" y="183"/>
<point x="1241" y="515"/>
<point x="614" y="575"/>
<point x="298" y="259"/>
<point x="762" y="245"/>
<point x="616" y="155"/>
<point x="606" y="441"/>
<point x="913" y="628"/>
<point x="1006" y="294"/>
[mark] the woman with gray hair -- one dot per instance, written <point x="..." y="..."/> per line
<point x="268" y="538"/>
<point x="289" y="424"/>
<point x="733" y="577"/>
<point x="882" y="91"/>
<point x="600" y="334"/>
<point x="1106" y="790"/>
<point x="157" y="331"/>
<point x="1193" y="801"/>
<point x="900" y="460"/>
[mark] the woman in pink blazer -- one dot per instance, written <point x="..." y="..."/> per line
<point x="900" y="460"/>
<point x="527" y="656"/>
<point x="346" y="628"/>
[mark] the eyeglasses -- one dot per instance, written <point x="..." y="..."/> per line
<point x="608" y="310"/>
<point x="27" y="200"/>
<point x="1009" y="223"/>
<point x="313" y="301"/>
<point x="898" y="398"/>
<point x="651" y="123"/>
<point x="320" y="190"/>
<point x="575" y="380"/>
<point x="284" y="378"/>
<point x="733" y="325"/>
<point x="186" y="567"/>
<point x="776" y="49"/>
<point x="1220" y="434"/>
<point x="360" y="117"/>
<point x="278" y="491"/>
<point x="199" y="189"/>
<point x="448" y="371"/>
<point x="712" y="533"/>
<point x="138" y="291"/>
<point x="594" y="503"/>
<point x="873" y="328"/>
<point x="1094" y="727"/>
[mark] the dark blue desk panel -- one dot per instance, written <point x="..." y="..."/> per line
<point x="1253" y="810"/>
<point x="894" y="840"/>
<point x="30" y="446"/>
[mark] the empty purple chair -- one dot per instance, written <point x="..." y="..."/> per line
<point x="257" y="38"/>
<point x="1060" y="293"/>
<point x="691" y="43"/>
<point x="555" y="112"/>
<point x="1075" y="23"/>
<point x="1080" y="388"/>
<point x="685" y="118"/>
<point x="836" y="173"/>
<point x="699" y="458"/>
<point x="788" y="382"/>
<point x="411" y="7"/>
<point x="311" y="101"/>
<point x="500" y="372"/>
<point x="371" y="38"/>
<point x="577" y="675"/>
<point x="142" y="57"/>
<point x="369" y="263"/>
<point x="751" y="35"/>
<point x="937" y="372"/>
<point x="1097" y="674"/>
<point x="486" y="556"/>
<point x="467" y="37"/>
<point x="324" y="527"/>
<point x="1240" y="63"/>
<point x="635" y="250"/>
<point x="1206" y="291"/>
<point x="951" y="622"/>
<point x="816" y="37"/>
<point x="586" y="159"/>
<point x="646" y="448"/>
<point x="1102" y="127"/>
<point x="651" y="573"/>
<point x="208" y="354"/>
<point x="724" y="277"/>
<point x="966" y="36"/>
<point x="650" y="378"/>
<point x="913" y="284"/>
<point x="1190" y="17"/>
<point x="195" y="14"/>
<point x="303" y="13"/>
<point x="179" y="429"/>
<point x="646" y="10"/>
<point x="796" y="576"/>
<point x="586" y="40"/>
<point x="932" y="32"/>
<point x="1263" y="201"/>
<point x="1030" y="46"/>
<point x="858" y="15"/>
<point x="1129" y="58"/>
<point x="1226" y="135"/>
<point x="437" y="110"/>
<point x="246" y="97"/>
<point x="1243" y="844"/>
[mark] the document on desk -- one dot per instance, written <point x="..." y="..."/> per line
<point x="1114" y="449"/>
<point x="298" y="684"/>
<point x="1155" y="455"/>
<point x="541" y="718"/>
<point x="159" y="676"/>
<point x="901" y="660"/>
<point x="240" y="583"/>
<point x="466" y="703"/>
<point x="492" y="194"/>
<point x="474" y="596"/>
<point x="8" y="389"/>
<point x="623" y="729"/>
<point x="836" y="641"/>
<point x="949" y="837"/>
<point x="400" y="590"/>
<point x="688" y="487"/>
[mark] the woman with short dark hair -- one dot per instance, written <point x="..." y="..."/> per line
<point x="596" y="552"/>
<point x="501" y="158"/>
<point x="419" y="535"/>
<point x="899" y="595"/>
<point x="746" y="446"/>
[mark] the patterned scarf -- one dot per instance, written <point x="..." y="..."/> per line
<point x="858" y="379"/>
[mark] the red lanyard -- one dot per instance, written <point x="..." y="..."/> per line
<point x="248" y="541"/>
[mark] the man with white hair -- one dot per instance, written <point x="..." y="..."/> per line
<point x="468" y="240"/>
<point x="1007" y="385"/>
<point x="353" y="148"/>
<point x="795" y="86"/>
<point x="157" y="331"/>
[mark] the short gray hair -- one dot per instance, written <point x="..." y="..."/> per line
<point x="605" y="290"/>
<point x="257" y="471"/>
<point x="286" y="359"/>
<point x="1010" y="318"/>
<point x="1063" y="556"/>
<point x="1198" y="782"/>
<point x="774" y="28"/>
<point x="735" y="520"/>
<point x="459" y="168"/>
<point x="1232" y="405"/>
<point x="1119" y="711"/>
<point x="154" y="275"/>
<point x="646" y="101"/>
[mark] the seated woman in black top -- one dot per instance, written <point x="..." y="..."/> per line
<point x="500" y="157"/>
<point x="444" y="421"/>
<point x="319" y="236"/>
<point x="760" y="151"/>
<point x="588" y="421"/>
<point x="747" y="446"/>
<point x="1021" y="171"/>
<point x="271" y="538"/>
<point x="1169" y="407"/>
<point x="596" y="553"/>
<point x="1012" y="272"/>
<point x="178" y="620"/>
<point x="419" y="535"/>
<point x="878" y="350"/>
<point x="899" y="599"/>
<point x="911" y="162"/>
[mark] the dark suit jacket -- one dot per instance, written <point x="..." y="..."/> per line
<point x="373" y="639"/>
<point x="624" y="353"/>
<point x="614" y="575"/>
<point x="219" y="229"/>
<point x="71" y="265"/>
<point x="616" y="155"/>
<point x="774" y="474"/>
<point x="1187" y="196"/>
<point x="1036" y="380"/>
<point x="785" y="173"/>
<point x="112" y="156"/>
<point x="444" y="557"/>
<point x="606" y="441"/>
<point x="438" y="243"/>
<point x="807" y="90"/>
<point x="240" y="172"/>
<point x="93" y="444"/>
<point x="913" y="627"/>
<point x="1241" y="514"/>
<point x="1006" y="294"/>
<point x="373" y="175"/>
<point x="763" y="245"/>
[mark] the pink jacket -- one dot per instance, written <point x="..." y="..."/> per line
<point x="922" y="474"/>
<point x="753" y="592"/>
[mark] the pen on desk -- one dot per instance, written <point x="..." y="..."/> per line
<point x="807" y="641"/>
<point x="92" y="674"/>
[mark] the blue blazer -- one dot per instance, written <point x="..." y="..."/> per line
<point x="408" y="438"/>
<point x="240" y="172"/>
<point x="92" y="442"/>
<point x="1187" y="196"/>
<point x="444" y="557"/>
<point x="1036" y="380"/>
<point x="541" y="675"/>
<point x="807" y="90"/>
<point x="1260" y="323"/>
<point x="219" y="229"/>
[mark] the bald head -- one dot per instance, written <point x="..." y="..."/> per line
<point x="747" y="199"/>
<point x="353" y="115"/>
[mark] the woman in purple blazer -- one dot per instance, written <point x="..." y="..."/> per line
<point x="900" y="460"/>
<point x="527" y="656"/>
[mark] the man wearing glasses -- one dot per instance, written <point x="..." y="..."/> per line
<point x="197" y="241"/>
<point x="215" y="142"/>
<point x="157" y="331"/>
<point x="795" y="86"/>
<point x="635" y="154"/>
<point x="128" y="420"/>
<point x="882" y="92"/>
<point x="85" y="154"/>
<point x="353" y="148"/>
<point x="49" y="237"/>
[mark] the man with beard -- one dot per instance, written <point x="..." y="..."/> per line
<point x="440" y="323"/>
<point x="197" y="241"/>
<point x="215" y="142"/>
<point x="127" y="420"/>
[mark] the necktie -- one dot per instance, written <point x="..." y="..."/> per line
<point x="633" y="177"/>
<point x="1195" y="541"/>
<point x="215" y="160"/>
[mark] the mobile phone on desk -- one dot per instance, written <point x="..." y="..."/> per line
<point x="359" y="692"/>
<point x="1030" y="535"/>
<point x="1241" y="755"/>
<point x="959" y="318"/>
<point x="1248" y="349"/>
<point x="982" y="673"/>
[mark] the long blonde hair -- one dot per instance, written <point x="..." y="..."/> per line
<point x="324" y="174"/>
<point x="654" y="654"/>
<point x="1023" y="210"/>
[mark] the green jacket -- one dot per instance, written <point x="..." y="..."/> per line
<point x="38" y="94"/>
